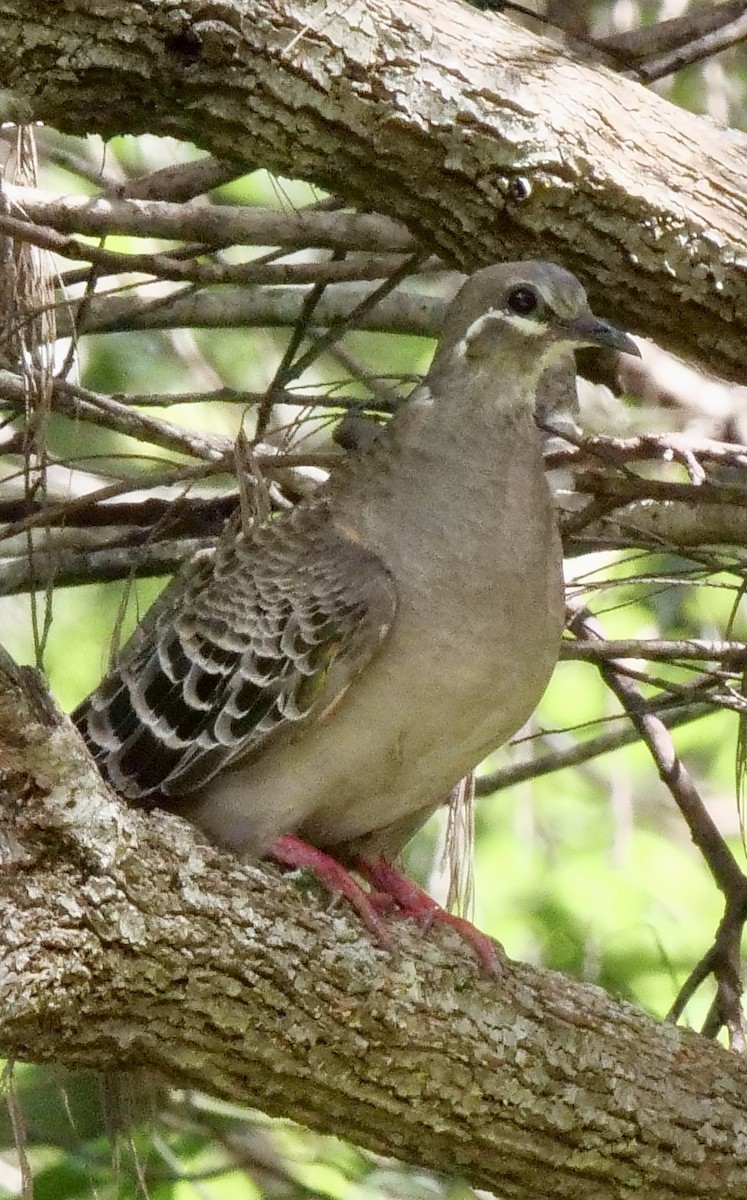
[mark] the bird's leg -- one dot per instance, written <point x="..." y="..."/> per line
<point x="389" y="884"/>
<point x="291" y="851"/>
<point x="414" y="902"/>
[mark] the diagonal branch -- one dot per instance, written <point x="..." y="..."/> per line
<point x="448" y="117"/>
<point x="127" y="941"/>
<point x="723" y="959"/>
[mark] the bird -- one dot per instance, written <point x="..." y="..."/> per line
<point x="316" y="687"/>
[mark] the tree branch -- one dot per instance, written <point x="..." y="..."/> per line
<point x="720" y="860"/>
<point x="216" y="225"/>
<point x="487" y="141"/>
<point x="127" y="942"/>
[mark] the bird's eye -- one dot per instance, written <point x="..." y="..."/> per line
<point x="522" y="301"/>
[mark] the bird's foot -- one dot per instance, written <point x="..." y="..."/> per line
<point x="292" y="851"/>
<point x="390" y="888"/>
<point x="416" y="903"/>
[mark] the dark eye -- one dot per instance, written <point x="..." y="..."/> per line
<point x="522" y="301"/>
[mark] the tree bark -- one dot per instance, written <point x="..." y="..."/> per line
<point x="487" y="141"/>
<point x="127" y="942"/>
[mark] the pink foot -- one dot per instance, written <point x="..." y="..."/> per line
<point x="416" y="903"/>
<point x="291" y="851"/>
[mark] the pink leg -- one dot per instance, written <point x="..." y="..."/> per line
<point x="291" y="851"/>
<point x="416" y="903"/>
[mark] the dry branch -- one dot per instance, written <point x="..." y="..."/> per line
<point x="211" y="225"/>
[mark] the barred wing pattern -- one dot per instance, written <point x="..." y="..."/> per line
<point x="238" y="648"/>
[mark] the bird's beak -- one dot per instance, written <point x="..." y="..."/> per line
<point x="588" y="330"/>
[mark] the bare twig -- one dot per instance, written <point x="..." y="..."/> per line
<point x="161" y="478"/>
<point x="82" y="404"/>
<point x="162" y="265"/>
<point x="180" y="182"/>
<point x="284" y="371"/>
<point x="129" y="560"/>
<point x="584" y="751"/>
<point x="656" y="650"/>
<point x="666" y="447"/>
<point x="724" y="868"/>
<point x="212" y="225"/>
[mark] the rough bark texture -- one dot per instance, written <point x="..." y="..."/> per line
<point x="124" y="941"/>
<point x="489" y="142"/>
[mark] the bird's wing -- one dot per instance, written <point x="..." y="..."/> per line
<point x="264" y="634"/>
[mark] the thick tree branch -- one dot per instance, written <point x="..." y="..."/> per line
<point x="487" y="141"/>
<point x="125" y="941"/>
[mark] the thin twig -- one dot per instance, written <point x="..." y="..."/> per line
<point x="665" y="447"/>
<point x="654" y="734"/>
<point x="162" y="265"/>
<point x="583" y="751"/>
<point x="722" y="864"/>
<point x="655" y="650"/>
<point x="81" y="403"/>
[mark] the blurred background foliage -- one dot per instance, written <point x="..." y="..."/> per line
<point x="588" y="870"/>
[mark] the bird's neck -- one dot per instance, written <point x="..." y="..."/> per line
<point x="482" y="390"/>
<point x="436" y="500"/>
<point x="446" y="419"/>
<point x="442" y="450"/>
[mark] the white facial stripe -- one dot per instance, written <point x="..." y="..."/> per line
<point x="499" y="316"/>
<point x="525" y="325"/>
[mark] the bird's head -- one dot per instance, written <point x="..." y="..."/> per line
<point x="512" y="320"/>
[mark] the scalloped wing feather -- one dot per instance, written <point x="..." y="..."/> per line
<point x="240" y="648"/>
